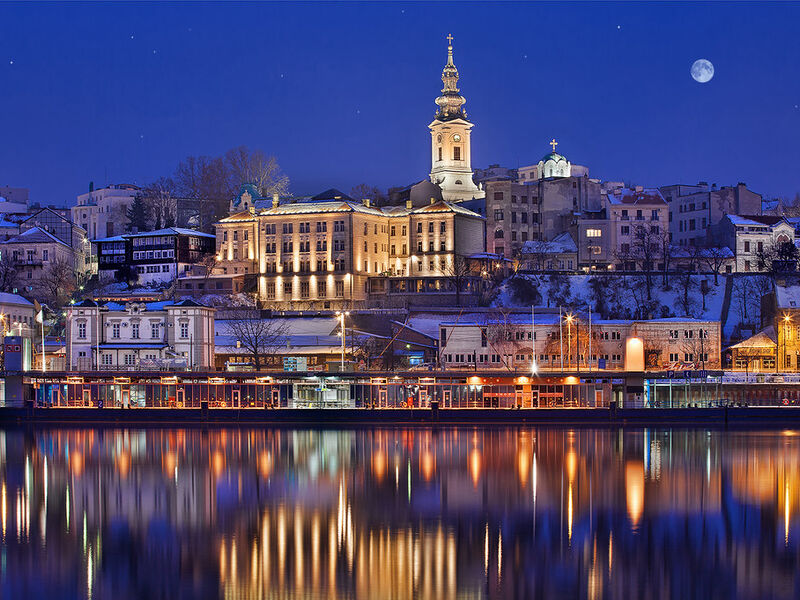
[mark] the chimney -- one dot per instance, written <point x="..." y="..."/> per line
<point x="91" y="186"/>
<point x="275" y="200"/>
<point x="366" y="202"/>
<point x="409" y="206"/>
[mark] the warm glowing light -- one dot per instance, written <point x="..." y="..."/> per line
<point x="634" y="354"/>
<point x="427" y="465"/>
<point x="379" y="464"/>
<point x="219" y="463"/>
<point x="76" y="462"/>
<point x="474" y="380"/>
<point x="572" y="464"/>
<point x="170" y="462"/>
<point x="523" y="380"/>
<point x="523" y="464"/>
<point x="634" y="490"/>
<point x="475" y="466"/>
<point x="124" y="463"/>
<point x="571" y="380"/>
<point x="265" y="463"/>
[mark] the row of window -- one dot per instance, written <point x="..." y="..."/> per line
<point x="30" y="255"/>
<point x="691" y="224"/>
<point x="151" y="254"/>
<point x="305" y="289"/>
<point x="155" y="330"/>
<point x="624" y="215"/>
<point x="499" y="215"/>
<point x="688" y="356"/>
<point x="153" y="269"/>
<point x="526" y="358"/>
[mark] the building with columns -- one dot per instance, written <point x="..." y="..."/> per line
<point x="451" y="151"/>
<point x="140" y="336"/>
<point x="321" y="253"/>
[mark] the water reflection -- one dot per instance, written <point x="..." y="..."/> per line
<point x="535" y="512"/>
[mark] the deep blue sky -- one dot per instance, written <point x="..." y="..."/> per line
<point x="343" y="93"/>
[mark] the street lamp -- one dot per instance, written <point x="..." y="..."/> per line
<point x="341" y="315"/>
<point x="569" y="318"/>
<point x="786" y="319"/>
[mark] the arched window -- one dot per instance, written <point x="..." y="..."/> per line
<point x="458" y="182"/>
<point x="499" y="233"/>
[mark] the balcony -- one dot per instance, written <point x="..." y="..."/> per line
<point x="29" y="262"/>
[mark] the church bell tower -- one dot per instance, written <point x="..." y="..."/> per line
<point x="451" y="164"/>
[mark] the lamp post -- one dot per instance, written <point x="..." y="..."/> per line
<point x="534" y="368"/>
<point x="341" y="315"/>
<point x="569" y="318"/>
<point x="786" y="319"/>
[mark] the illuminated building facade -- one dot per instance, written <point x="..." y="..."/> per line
<point x="321" y="253"/>
<point x="140" y="336"/>
<point x="502" y="341"/>
<point x="451" y="146"/>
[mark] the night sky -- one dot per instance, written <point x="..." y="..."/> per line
<point x="343" y="93"/>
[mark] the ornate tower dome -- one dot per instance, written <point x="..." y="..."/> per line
<point x="554" y="164"/>
<point x="450" y="102"/>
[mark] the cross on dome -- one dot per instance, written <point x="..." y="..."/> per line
<point x="554" y="143"/>
<point x="450" y="39"/>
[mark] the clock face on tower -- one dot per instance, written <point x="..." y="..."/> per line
<point x="456" y="138"/>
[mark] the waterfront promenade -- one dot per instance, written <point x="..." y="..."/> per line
<point x="402" y="398"/>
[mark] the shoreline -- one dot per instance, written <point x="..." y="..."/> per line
<point x="758" y="416"/>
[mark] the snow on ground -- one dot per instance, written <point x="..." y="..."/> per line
<point x="621" y="296"/>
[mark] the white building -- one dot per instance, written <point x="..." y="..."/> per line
<point x="501" y="340"/>
<point x="755" y="240"/>
<point x="140" y="336"/>
<point x="451" y="150"/>
<point x="103" y="212"/>
<point x="551" y="165"/>
<point x="16" y="315"/>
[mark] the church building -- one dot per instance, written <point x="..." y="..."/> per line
<point x="451" y="151"/>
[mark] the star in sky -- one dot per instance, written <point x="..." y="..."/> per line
<point x="619" y="26"/>
<point x="11" y="62"/>
<point x="131" y="36"/>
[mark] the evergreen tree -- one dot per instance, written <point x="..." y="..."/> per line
<point x="138" y="215"/>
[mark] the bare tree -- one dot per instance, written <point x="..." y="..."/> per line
<point x="457" y="273"/>
<point x="743" y="293"/>
<point x="368" y="349"/>
<point x="686" y="302"/>
<point x="205" y="179"/>
<point x="537" y="253"/>
<point x="207" y="262"/>
<point x="8" y="273"/>
<point x="254" y="166"/>
<point x="57" y="282"/>
<point x="363" y="191"/>
<point x="162" y="203"/>
<point x="257" y="336"/>
<point x="666" y="253"/>
<point x="715" y="259"/>
<point x="645" y="249"/>
<point x="498" y="333"/>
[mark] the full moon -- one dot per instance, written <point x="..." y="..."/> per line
<point x="702" y="70"/>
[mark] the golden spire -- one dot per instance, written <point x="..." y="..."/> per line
<point x="450" y="102"/>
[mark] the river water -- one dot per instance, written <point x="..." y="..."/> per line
<point x="532" y="512"/>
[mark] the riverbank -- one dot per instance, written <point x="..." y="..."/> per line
<point x="777" y="416"/>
